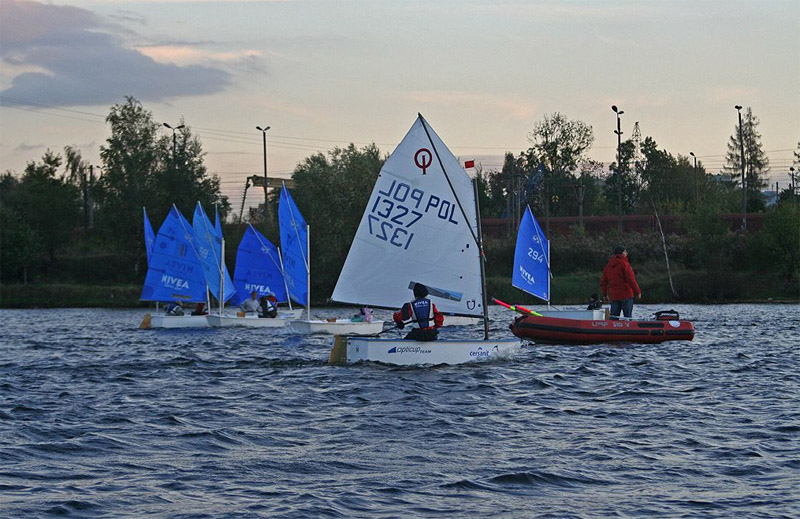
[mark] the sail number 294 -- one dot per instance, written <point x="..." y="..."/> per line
<point x="535" y="255"/>
<point x="396" y="209"/>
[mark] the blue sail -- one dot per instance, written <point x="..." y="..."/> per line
<point x="258" y="268"/>
<point x="174" y="271"/>
<point x="209" y="250"/>
<point x="217" y="224"/>
<point x="294" y="241"/>
<point x="532" y="258"/>
<point x="149" y="236"/>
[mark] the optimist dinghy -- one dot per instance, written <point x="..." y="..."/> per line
<point x="259" y="268"/>
<point x="174" y="272"/>
<point x="420" y="226"/>
<point x="297" y="273"/>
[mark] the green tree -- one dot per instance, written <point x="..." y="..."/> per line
<point x="45" y="202"/>
<point x="142" y="170"/>
<point x="624" y="180"/>
<point x="20" y="246"/>
<point x="182" y="177"/>
<point x="332" y="192"/>
<point x="781" y="241"/>
<point x="755" y="160"/>
<point x="131" y="160"/>
<point x="558" y="144"/>
<point x="666" y="181"/>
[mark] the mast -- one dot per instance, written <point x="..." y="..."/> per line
<point x="308" y="270"/>
<point x="222" y="277"/>
<point x="482" y="259"/>
<point x="283" y="276"/>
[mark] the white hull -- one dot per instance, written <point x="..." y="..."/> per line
<point x="248" y="321"/>
<point x="337" y="327"/>
<point x="295" y="313"/>
<point x="460" y="320"/>
<point x="348" y="350"/>
<point x="174" y="321"/>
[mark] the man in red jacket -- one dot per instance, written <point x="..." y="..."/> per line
<point x="619" y="284"/>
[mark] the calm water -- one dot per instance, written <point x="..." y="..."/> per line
<point x="100" y="419"/>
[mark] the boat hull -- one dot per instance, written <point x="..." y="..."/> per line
<point x="349" y="350"/>
<point x="460" y="320"/>
<point x="555" y="330"/>
<point x="174" y="321"/>
<point x="337" y="327"/>
<point x="248" y="321"/>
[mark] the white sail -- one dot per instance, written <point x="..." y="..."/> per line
<point x="420" y="226"/>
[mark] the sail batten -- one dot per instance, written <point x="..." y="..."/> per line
<point x="419" y="226"/>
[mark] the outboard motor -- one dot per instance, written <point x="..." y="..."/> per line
<point x="668" y="315"/>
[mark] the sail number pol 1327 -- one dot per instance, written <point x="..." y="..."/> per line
<point x="399" y="207"/>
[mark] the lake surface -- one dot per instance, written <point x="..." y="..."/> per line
<point x="101" y="419"/>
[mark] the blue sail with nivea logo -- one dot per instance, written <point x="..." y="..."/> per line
<point x="532" y="258"/>
<point x="149" y="236"/>
<point x="209" y="251"/>
<point x="258" y="268"/>
<point x="174" y="271"/>
<point x="294" y="242"/>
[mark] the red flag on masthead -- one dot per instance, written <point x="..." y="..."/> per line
<point x="469" y="164"/>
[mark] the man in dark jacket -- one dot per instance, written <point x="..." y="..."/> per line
<point x="425" y="318"/>
<point x="618" y="283"/>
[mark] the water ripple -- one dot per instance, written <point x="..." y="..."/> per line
<point x="101" y="419"/>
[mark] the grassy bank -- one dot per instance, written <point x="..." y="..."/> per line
<point x="691" y="287"/>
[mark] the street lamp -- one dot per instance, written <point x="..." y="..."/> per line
<point x="618" y="131"/>
<point x="173" y="139"/>
<point x="266" y="201"/>
<point x="794" y="180"/>
<point x="696" y="196"/>
<point x="744" y="179"/>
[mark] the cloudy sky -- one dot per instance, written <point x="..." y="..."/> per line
<point x="325" y="73"/>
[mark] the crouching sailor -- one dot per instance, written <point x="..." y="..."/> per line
<point x="425" y="318"/>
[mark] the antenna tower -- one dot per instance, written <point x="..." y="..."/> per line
<point x="636" y="137"/>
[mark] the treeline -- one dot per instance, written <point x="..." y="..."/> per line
<point x="65" y="221"/>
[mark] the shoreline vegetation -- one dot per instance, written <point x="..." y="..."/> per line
<point x="73" y="237"/>
<point x="573" y="289"/>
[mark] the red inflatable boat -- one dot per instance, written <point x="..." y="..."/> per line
<point x="557" y="330"/>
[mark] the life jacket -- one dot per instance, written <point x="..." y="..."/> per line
<point x="422" y="313"/>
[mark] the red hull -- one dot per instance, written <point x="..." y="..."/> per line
<point x="583" y="331"/>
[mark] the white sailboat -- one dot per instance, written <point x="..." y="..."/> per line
<point x="174" y="272"/>
<point x="259" y="269"/>
<point x="421" y="225"/>
<point x="297" y="273"/>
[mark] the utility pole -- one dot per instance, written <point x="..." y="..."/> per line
<point x="618" y="131"/>
<point x="696" y="195"/>
<point x="267" y="210"/>
<point x="744" y="178"/>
